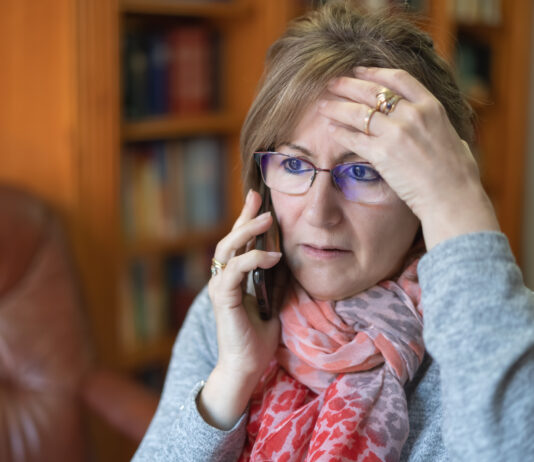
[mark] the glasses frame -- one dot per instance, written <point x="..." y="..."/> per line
<point x="258" y="155"/>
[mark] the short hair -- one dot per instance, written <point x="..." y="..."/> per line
<point x="329" y="42"/>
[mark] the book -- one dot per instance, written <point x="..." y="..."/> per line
<point x="135" y="75"/>
<point x="176" y="214"/>
<point x="478" y="11"/>
<point x="203" y="158"/>
<point x="158" y="74"/>
<point x="473" y="68"/>
<point x="190" y="71"/>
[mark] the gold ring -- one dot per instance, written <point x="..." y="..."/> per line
<point x="216" y="265"/>
<point x="391" y="104"/>
<point x="367" y="120"/>
<point x="386" y="100"/>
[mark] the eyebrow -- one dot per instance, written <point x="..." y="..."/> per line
<point x="308" y="153"/>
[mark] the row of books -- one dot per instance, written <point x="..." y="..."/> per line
<point x="411" y="5"/>
<point x="478" y="11"/>
<point x="172" y="187"/>
<point x="473" y="68"/>
<point x="172" y="71"/>
<point x="156" y="294"/>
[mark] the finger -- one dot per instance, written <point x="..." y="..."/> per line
<point x="357" y="142"/>
<point x="240" y="236"/>
<point x="238" y="267"/>
<point x="358" y="90"/>
<point x="354" y="115"/>
<point x="250" y="208"/>
<point x="398" y="80"/>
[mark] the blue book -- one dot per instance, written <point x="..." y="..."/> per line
<point x="158" y="74"/>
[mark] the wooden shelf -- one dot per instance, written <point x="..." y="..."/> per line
<point x="188" y="8"/>
<point x="479" y="28"/>
<point x="170" y="127"/>
<point x="189" y="240"/>
<point x="158" y="351"/>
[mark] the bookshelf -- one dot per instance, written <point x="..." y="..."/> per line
<point x="245" y="28"/>
<point x="195" y="38"/>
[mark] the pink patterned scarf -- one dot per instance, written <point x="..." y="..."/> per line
<point x="335" y="391"/>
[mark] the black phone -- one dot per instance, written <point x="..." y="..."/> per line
<point x="263" y="278"/>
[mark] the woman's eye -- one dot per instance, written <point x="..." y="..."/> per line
<point x="363" y="173"/>
<point x="294" y="165"/>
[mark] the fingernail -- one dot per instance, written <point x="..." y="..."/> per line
<point x="275" y="254"/>
<point x="263" y="216"/>
<point x="333" y="82"/>
<point x="331" y="128"/>
<point x="359" y="69"/>
<point x="322" y="103"/>
<point x="249" y="195"/>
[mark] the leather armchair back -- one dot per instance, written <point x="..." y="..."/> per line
<point x="44" y="351"/>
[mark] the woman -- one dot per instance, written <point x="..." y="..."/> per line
<point x="362" y="137"/>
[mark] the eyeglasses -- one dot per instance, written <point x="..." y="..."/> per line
<point x="358" y="181"/>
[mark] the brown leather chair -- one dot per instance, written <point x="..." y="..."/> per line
<point x="48" y="379"/>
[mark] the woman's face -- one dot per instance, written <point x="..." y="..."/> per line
<point x="336" y="248"/>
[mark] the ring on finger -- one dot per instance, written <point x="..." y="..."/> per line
<point x="216" y="266"/>
<point x="370" y="113"/>
<point x="390" y="105"/>
<point x="386" y="100"/>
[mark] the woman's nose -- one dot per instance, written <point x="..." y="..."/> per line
<point x="323" y="206"/>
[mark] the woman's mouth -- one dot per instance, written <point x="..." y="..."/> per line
<point x="320" y="252"/>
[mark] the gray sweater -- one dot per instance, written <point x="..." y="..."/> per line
<point x="472" y="398"/>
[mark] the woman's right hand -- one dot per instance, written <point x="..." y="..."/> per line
<point x="246" y="343"/>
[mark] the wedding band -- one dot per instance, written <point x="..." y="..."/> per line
<point x="367" y="120"/>
<point x="216" y="265"/>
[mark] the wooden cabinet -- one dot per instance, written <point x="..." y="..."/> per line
<point x="245" y="28"/>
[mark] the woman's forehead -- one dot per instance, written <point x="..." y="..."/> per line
<point x="298" y="149"/>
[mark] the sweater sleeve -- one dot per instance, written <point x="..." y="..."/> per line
<point x="178" y="432"/>
<point x="479" y="327"/>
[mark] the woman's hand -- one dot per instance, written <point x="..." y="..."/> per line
<point x="246" y="343"/>
<point x="415" y="148"/>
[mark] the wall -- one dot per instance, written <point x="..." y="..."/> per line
<point x="37" y="93"/>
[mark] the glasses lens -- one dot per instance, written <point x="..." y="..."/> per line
<point x="360" y="183"/>
<point x="286" y="174"/>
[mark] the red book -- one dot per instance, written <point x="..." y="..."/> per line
<point x="190" y="70"/>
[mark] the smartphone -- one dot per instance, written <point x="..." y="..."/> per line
<point x="263" y="278"/>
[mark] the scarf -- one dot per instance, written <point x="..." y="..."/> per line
<point x="335" y="391"/>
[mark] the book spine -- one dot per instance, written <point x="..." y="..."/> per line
<point x="135" y="76"/>
<point x="158" y="74"/>
<point x="190" y="69"/>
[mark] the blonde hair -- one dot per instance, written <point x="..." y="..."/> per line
<point x="329" y="42"/>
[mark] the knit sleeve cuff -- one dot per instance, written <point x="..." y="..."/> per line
<point x="203" y="440"/>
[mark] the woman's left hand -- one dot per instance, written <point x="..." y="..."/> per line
<point x="415" y="148"/>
